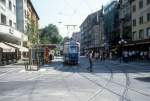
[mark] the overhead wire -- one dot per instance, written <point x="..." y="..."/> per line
<point x="75" y="10"/>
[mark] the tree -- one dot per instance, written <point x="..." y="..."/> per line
<point x="50" y="34"/>
<point x="32" y="31"/>
<point x="65" y="39"/>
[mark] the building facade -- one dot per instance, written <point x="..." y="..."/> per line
<point x="111" y="24"/>
<point x="27" y="17"/>
<point x="76" y="36"/>
<point x="140" y="19"/>
<point x="125" y="19"/>
<point x="92" y="35"/>
<point x="8" y="23"/>
<point x="140" y="10"/>
<point x="25" y="14"/>
<point x="21" y="12"/>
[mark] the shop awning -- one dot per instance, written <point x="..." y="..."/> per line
<point x="6" y="48"/>
<point x="22" y="49"/>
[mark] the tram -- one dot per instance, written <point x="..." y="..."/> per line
<point x="71" y="52"/>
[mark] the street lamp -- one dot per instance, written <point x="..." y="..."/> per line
<point x="121" y="43"/>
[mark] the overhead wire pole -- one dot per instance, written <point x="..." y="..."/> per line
<point x="70" y="26"/>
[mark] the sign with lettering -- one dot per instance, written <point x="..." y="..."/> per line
<point x="11" y="31"/>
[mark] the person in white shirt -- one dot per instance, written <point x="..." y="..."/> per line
<point x="125" y="55"/>
<point x="130" y="56"/>
<point x="90" y="61"/>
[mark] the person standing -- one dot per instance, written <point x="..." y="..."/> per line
<point x="90" y="61"/>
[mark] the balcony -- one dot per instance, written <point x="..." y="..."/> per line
<point x="11" y="35"/>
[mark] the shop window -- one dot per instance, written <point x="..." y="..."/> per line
<point x="3" y="19"/>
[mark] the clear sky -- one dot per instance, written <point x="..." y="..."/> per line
<point x="69" y="12"/>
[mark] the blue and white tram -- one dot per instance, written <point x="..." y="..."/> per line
<point x="71" y="52"/>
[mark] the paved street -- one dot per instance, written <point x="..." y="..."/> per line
<point x="110" y="81"/>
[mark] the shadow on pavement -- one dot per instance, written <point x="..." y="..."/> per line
<point x="101" y="67"/>
<point x="144" y="79"/>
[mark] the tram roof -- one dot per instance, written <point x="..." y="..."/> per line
<point x="71" y="42"/>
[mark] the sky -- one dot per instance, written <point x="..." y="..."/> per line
<point x="66" y="12"/>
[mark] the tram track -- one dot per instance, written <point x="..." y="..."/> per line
<point x="128" y="81"/>
<point x="69" y="89"/>
<point x="129" y="88"/>
<point x="102" y="88"/>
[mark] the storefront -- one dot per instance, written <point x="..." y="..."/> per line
<point x="19" y="50"/>
<point x="7" y="54"/>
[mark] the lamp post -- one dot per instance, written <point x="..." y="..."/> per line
<point x="121" y="43"/>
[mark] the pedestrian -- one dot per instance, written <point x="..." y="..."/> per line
<point x="130" y="56"/>
<point x="125" y="56"/>
<point x="110" y="55"/>
<point x="133" y="55"/>
<point x="145" y="55"/>
<point x="90" y="61"/>
<point x="96" y="56"/>
<point x="141" y="55"/>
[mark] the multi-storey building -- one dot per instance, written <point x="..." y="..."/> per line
<point x="8" y="26"/>
<point x="125" y="19"/>
<point x="26" y="17"/>
<point x="76" y="36"/>
<point x="141" y="23"/>
<point x="140" y="19"/>
<point x="111" y="24"/>
<point x="92" y="32"/>
<point x="25" y="14"/>
<point x="10" y="37"/>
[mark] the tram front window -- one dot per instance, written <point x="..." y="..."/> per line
<point x="73" y="49"/>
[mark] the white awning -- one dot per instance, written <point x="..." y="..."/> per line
<point x="22" y="49"/>
<point x="6" y="48"/>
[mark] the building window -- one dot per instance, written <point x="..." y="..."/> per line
<point x="140" y="4"/>
<point x="134" y="8"/>
<point x="25" y="12"/>
<point x="148" y="2"/>
<point x="134" y="36"/>
<point x="148" y="17"/>
<point x="3" y="19"/>
<point x="14" y="9"/>
<point x="141" y="34"/>
<point x="148" y="32"/>
<point x="134" y="22"/>
<point x="141" y="20"/>
<point x="10" y="23"/>
<point x="14" y="25"/>
<point x="10" y="5"/>
<point x="3" y="2"/>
